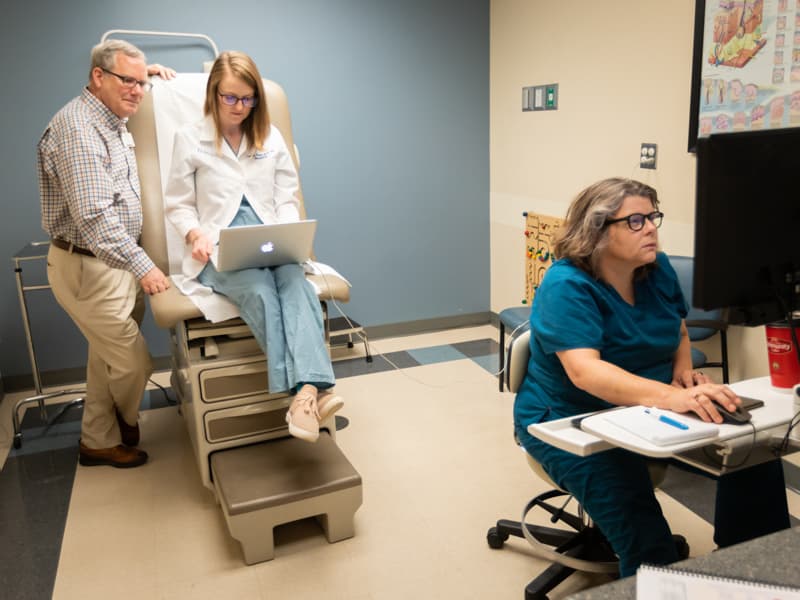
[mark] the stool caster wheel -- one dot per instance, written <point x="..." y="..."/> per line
<point x="349" y="344"/>
<point x="495" y="539"/>
<point x="18" y="441"/>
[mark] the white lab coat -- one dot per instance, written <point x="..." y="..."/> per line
<point x="205" y="189"/>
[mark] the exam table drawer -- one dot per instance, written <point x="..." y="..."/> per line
<point x="242" y="421"/>
<point x="236" y="381"/>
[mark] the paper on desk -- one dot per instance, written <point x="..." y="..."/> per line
<point x="663" y="583"/>
<point x="635" y="420"/>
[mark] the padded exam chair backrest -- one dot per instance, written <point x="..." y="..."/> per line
<point x="180" y="101"/>
<point x="171" y="105"/>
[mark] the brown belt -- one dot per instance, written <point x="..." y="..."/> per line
<point x="70" y="247"/>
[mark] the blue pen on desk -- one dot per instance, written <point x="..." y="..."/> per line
<point x="666" y="419"/>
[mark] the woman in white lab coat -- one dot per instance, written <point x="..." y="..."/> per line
<point x="230" y="169"/>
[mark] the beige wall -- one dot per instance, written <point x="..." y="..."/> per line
<point x="623" y="69"/>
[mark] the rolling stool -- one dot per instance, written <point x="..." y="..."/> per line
<point x="579" y="547"/>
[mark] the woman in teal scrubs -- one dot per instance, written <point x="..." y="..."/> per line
<point x="607" y="329"/>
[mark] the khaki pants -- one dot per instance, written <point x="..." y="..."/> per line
<point x="107" y="305"/>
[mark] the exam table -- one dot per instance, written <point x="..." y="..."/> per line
<point x="260" y="476"/>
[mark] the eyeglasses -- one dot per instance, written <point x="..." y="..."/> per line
<point x="636" y="221"/>
<point x="130" y="82"/>
<point x="247" y="101"/>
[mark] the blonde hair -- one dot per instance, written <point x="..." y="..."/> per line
<point x="584" y="236"/>
<point x="241" y="66"/>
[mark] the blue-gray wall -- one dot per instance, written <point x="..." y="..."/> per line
<point x="390" y="106"/>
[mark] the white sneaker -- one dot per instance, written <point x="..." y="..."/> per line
<point x="328" y="403"/>
<point x="302" y="416"/>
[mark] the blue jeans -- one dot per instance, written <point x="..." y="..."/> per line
<point x="283" y="311"/>
<point x="615" y="489"/>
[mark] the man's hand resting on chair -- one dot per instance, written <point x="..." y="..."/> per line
<point x="154" y="281"/>
<point x="161" y="71"/>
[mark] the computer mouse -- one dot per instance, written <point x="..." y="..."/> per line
<point x="738" y="417"/>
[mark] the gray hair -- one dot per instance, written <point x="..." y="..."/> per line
<point x="104" y="54"/>
<point x="584" y="235"/>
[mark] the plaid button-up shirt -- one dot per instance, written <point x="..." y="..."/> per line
<point x="89" y="185"/>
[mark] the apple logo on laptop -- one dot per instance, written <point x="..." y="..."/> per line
<point x="268" y="247"/>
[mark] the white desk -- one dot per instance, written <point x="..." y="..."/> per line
<point x="597" y="434"/>
<point x="734" y="458"/>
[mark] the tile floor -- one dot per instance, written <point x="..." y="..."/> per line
<point x="432" y="441"/>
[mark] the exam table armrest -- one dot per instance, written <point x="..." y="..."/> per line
<point x="171" y="306"/>
<point x="330" y="287"/>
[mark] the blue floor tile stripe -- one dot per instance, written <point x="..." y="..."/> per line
<point x="34" y="495"/>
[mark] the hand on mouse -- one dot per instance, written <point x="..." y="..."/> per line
<point x="702" y="400"/>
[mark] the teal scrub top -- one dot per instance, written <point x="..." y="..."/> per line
<point x="571" y="310"/>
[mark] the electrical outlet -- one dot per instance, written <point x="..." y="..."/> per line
<point x="647" y="156"/>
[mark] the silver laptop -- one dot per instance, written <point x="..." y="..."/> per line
<point x="254" y="246"/>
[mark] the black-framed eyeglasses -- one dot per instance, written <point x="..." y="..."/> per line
<point x="636" y="221"/>
<point x="247" y="101"/>
<point x="130" y="82"/>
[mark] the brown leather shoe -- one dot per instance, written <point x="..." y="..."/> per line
<point x="120" y="457"/>
<point x="130" y="433"/>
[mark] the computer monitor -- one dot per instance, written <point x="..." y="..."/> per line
<point x="747" y="225"/>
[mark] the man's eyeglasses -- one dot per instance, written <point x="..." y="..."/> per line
<point x="247" y="101"/>
<point x="636" y="221"/>
<point x="130" y="82"/>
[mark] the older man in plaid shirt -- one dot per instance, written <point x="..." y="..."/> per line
<point x="91" y="208"/>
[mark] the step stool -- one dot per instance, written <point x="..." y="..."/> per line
<point x="276" y="482"/>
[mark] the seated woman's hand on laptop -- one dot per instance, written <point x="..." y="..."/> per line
<point x="702" y="399"/>
<point x="201" y="245"/>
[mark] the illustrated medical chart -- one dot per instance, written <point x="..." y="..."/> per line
<point x="540" y="233"/>
<point x="750" y="74"/>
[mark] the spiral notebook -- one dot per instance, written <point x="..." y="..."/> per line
<point x="663" y="583"/>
